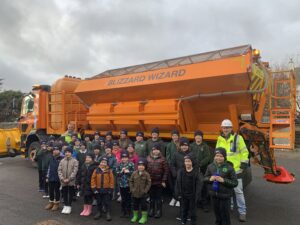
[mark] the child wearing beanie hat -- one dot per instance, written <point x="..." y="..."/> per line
<point x="221" y="179"/>
<point x="140" y="145"/>
<point x="84" y="182"/>
<point x="155" y="139"/>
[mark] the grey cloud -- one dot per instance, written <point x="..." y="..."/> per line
<point x="43" y="40"/>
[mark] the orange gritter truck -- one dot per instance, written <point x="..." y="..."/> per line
<point x="186" y="93"/>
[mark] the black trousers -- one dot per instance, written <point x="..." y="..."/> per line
<point x="45" y="184"/>
<point x="204" y="199"/>
<point x="41" y="181"/>
<point x="68" y="193"/>
<point x="171" y="184"/>
<point x="126" y="199"/>
<point x="88" y="199"/>
<point x="139" y="202"/>
<point x="104" y="199"/>
<point x="156" y="193"/>
<point x="54" y="192"/>
<point x="222" y="210"/>
<point x="188" y="205"/>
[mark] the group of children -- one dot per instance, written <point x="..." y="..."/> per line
<point x="103" y="168"/>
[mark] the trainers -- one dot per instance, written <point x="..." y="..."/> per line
<point x="172" y="202"/>
<point x="242" y="217"/>
<point x="177" y="204"/>
<point x="68" y="210"/>
<point x="63" y="211"/>
<point x="119" y="199"/>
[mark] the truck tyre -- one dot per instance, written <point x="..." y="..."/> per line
<point x="31" y="152"/>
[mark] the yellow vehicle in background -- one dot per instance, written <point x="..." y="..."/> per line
<point x="10" y="139"/>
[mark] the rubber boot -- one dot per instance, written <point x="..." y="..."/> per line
<point x="144" y="217"/>
<point x="84" y="210"/>
<point x="49" y="205"/>
<point x="158" y="212"/>
<point x="151" y="208"/>
<point x="55" y="206"/>
<point x="108" y="216"/>
<point x="98" y="215"/>
<point x="88" y="210"/>
<point x="135" y="216"/>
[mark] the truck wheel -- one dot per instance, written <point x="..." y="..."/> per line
<point x="32" y="151"/>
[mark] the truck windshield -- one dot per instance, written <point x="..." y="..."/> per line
<point x="27" y="105"/>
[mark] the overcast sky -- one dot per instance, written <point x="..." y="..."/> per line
<point x="42" y="40"/>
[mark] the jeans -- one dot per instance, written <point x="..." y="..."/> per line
<point x="239" y="196"/>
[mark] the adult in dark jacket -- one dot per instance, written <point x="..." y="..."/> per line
<point x="84" y="182"/>
<point x="53" y="180"/>
<point x="157" y="167"/>
<point x="203" y="156"/>
<point x="188" y="187"/>
<point x="155" y="139"/>
<point x="177" y="161"/>
<point x="221" y="179"/>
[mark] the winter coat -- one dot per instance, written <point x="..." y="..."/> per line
<point x="139" y="184"/>
<point x="52" y="173"/>
<point x="103" y="180"/>
<point x="67" y="169"/>
<point x="140" y="148"/>
<point x="46" y="159"/>
<point x="196" y="187"/>
<point x="84" y="178"/>
<point x="150" y="144"/>
<point x="230" y="180"/>
<point x="124" y="143"/>
<point x="171" y="149"/>
<point x="158" y="169"/>
<point x="123" y="178"/>
<point x="177" y="161"/>
<point x="81" y="158"/>
<point x="202" y="154"/>
<point x="39" y="158"/>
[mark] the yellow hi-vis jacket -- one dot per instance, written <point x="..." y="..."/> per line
<point x="239" y="156"/>
<point x="68" y="137"/>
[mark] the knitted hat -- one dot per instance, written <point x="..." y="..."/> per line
<point x="156" y="146"/>
<point x="142" y="162"/>
<point x="97" y="133"/>
<point x="108" y="133"/>
<point x="116" y="143"/>
<point x="155" y="130"/>
<point x="90" y="154"/>
<point x="130" y="145"/>
<point x="104" y="159"/>
<point x="124" y="154"/>
<point x="96" y="146"/>
<point x="139" y="133"/>
<point x="102" y="139"/>
<point x="221" y="151"/>
<point x="69" y="149"/>
<point x="175" y="132"/>
<point x="43" y="142"/>
<point x="184" y="141"/>
<point x="198" y="132"/>
<point x="56" y="147"/>
<point x="108" y="145"/>
<point x="123" y="131"/>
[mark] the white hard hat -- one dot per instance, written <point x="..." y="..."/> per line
<point x="226" y="123"/>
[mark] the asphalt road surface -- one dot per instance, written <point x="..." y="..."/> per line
<point x="268" y="203"/>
